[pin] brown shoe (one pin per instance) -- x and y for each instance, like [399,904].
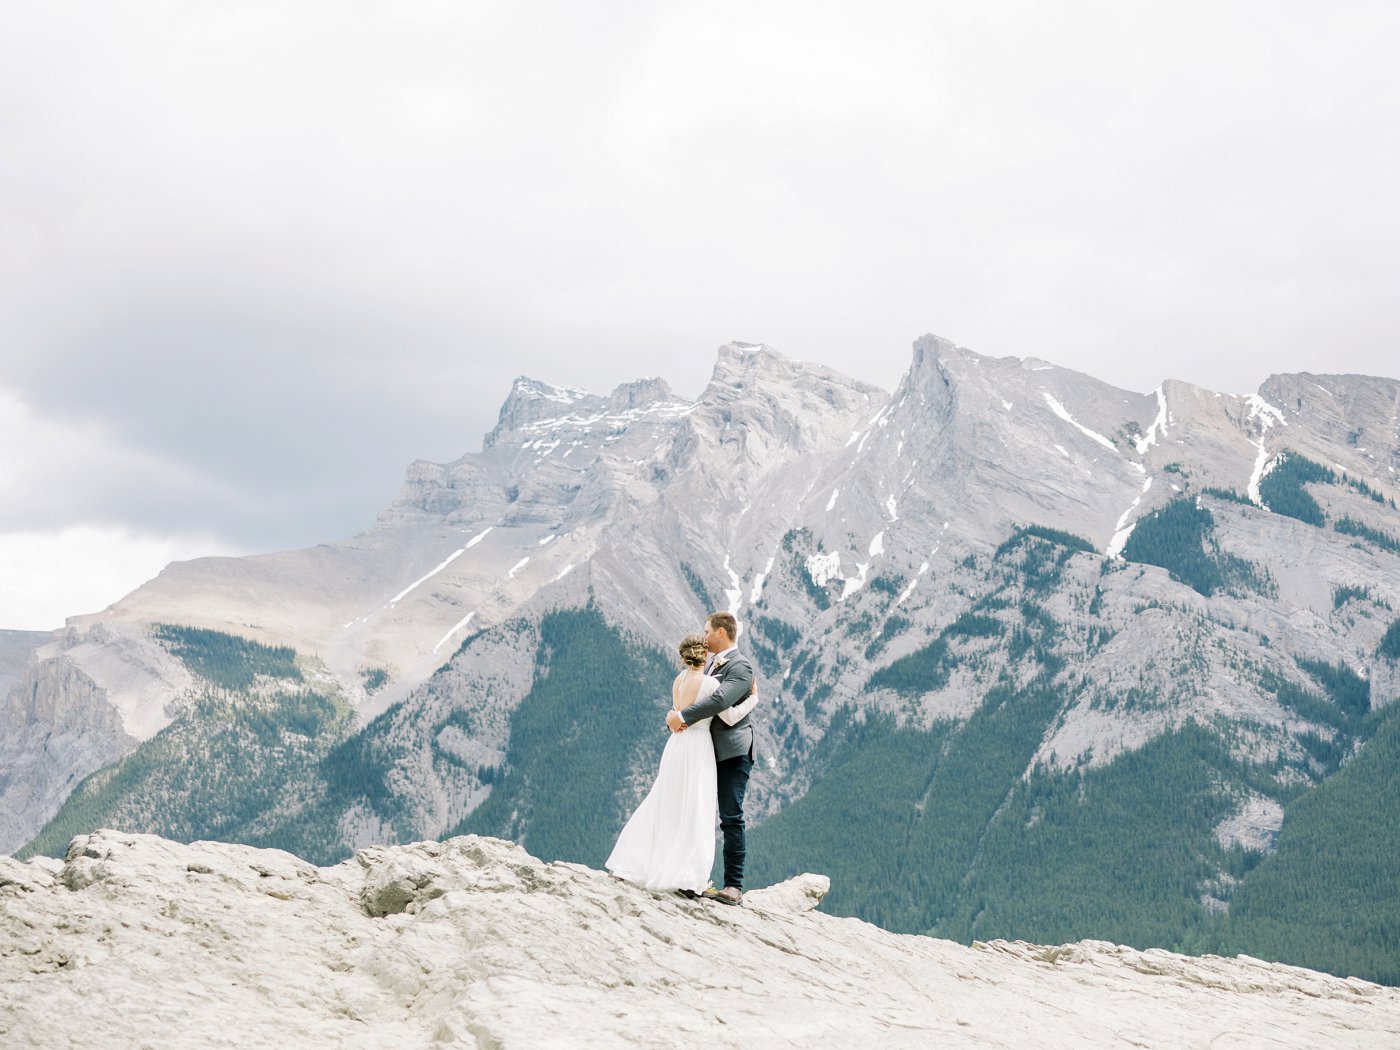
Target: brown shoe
[728,895]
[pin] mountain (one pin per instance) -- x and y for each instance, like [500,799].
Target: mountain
[1041,658]
[137,940]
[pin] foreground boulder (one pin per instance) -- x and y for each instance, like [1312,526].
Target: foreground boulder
[138,941]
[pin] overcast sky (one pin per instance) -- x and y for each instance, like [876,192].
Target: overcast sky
[257,257]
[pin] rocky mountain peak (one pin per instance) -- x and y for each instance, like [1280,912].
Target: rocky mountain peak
[1351,422]
[533,402]
[942,373]
[765,408]
[640,393]
[745,372]
[531,399]
[930,350]
[740,356]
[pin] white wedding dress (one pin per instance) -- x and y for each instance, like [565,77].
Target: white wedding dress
[669,843]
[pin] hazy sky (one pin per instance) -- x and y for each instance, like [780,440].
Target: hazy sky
[257,257]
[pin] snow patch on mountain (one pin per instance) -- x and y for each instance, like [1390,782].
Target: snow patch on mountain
[1266,413]
[856,582]
[823,568]
[1262,466]
[1158,429]
[757,591]
[1123,529]
[1063,413]
[430,574]
[454,629]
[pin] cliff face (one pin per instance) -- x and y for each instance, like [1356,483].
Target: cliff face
[135,940]
[60,726]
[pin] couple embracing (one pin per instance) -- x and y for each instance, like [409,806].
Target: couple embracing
[669,842]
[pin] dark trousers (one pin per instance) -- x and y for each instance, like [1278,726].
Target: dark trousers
[731,781]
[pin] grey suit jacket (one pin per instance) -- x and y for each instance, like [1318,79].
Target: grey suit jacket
[735,685]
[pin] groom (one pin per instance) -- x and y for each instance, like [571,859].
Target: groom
[734,745]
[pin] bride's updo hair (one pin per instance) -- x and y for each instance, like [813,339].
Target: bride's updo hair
[693,650]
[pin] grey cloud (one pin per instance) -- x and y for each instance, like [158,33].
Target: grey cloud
[288,249]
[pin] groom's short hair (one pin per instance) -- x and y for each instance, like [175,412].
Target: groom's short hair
[725,622]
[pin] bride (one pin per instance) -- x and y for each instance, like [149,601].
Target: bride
[669,842]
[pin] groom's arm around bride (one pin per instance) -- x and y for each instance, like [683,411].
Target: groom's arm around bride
[735,685]
[735,676]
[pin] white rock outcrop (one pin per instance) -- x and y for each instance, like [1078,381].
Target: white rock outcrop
[138,941]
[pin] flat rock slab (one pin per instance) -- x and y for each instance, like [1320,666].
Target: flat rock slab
[138,941]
